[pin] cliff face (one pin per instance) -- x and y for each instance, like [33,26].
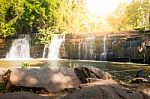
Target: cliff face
[127,46]
[2,48]
[130,46]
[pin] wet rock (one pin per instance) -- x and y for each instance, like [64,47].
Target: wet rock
[22,95]
[104,89]
[53,79]
[86,72]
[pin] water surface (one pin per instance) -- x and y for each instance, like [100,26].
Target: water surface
[119,70]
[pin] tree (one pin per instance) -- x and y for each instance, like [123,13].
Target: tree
[118,19]
[45,17]
[131,16]
[8,17]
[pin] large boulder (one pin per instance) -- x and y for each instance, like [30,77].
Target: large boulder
[86,72]
[104,89]
[53,79]
[21,95]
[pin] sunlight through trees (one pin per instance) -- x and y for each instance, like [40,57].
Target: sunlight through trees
[48,17]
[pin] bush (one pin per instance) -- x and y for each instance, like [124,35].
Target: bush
[24,65]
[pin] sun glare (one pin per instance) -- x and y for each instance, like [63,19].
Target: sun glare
[103,7]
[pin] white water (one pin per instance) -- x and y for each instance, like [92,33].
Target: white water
[86,48]
[51,51]
[19,49]
[104,47]
[103,55]
[79,49]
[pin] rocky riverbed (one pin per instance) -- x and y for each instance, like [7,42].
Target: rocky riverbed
[68,83]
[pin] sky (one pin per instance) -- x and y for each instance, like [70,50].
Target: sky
[103,7]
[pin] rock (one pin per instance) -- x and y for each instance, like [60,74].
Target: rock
[100,82]
[53,79]
[104,89]
[2,73]
[90,72]
[22,95]
[139,80]
[107,76]
[139,73]
[144,88]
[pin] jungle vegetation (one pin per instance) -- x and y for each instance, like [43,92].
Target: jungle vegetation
[47,17]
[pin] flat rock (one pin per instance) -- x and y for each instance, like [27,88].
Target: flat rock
[104,89]
[53,79]
[21,95]
[100,82]
[144,88]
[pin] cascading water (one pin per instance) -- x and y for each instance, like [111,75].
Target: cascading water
[103,55]
[51,51]
[79,49]
[86,48]
[19,49]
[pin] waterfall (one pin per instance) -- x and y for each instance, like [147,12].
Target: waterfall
[86,48]
[51,51]
[79,49]
[19,49]
[103,55]
[104,48]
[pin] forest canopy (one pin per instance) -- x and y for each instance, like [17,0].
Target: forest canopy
[135,15]
[47,17]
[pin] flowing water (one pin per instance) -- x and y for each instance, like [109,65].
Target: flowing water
[103,55]
[51,51]
[19,49]
[86,48]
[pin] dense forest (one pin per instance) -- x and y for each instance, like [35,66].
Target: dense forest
[135,15]
[38,16]
[46,17]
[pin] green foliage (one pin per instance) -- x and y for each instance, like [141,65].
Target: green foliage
[6,24]
[131,16]
[65,17]
[36,15]
[45,35]
[24,65]
[45,17]
[118,15]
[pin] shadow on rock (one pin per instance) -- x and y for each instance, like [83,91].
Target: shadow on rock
[22,95]
[105,89]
